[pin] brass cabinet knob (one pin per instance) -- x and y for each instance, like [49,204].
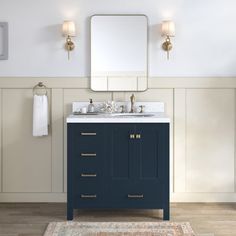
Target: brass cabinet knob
[135,136]
[122,107]
[132,136]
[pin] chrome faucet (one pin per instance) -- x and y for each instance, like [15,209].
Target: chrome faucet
[132,99]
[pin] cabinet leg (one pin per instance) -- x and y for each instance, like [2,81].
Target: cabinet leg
[166,213]
[69,213]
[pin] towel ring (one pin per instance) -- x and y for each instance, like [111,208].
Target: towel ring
[40,86]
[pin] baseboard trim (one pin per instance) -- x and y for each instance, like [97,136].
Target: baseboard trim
[203,197]
[32,197]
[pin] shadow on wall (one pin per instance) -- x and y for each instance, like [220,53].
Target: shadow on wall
[155,34]
[52,36]
[155,39]
[87,45]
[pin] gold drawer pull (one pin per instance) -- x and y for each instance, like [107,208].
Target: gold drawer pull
[135,196]
[88,175]
[88,196]
[132,136]
[88,134]
[88,154]
[138,136]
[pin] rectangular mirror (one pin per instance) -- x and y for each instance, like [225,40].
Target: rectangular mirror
[119,60]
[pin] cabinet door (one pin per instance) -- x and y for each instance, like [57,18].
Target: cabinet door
[120,162]
[152,160]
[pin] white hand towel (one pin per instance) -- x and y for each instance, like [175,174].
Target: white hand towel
[40,115]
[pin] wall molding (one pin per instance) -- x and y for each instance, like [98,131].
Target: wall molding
[192,82]
[153,82]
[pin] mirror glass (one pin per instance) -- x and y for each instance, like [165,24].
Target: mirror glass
[119,52]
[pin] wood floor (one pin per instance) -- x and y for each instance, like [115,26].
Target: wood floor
[32,219]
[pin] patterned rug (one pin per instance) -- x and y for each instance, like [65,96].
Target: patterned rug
[119,229]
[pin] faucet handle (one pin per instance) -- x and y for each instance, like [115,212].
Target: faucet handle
[141,108]
[122,108]
[132,98]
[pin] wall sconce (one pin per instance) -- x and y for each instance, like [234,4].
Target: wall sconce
[168,30]
[68,30]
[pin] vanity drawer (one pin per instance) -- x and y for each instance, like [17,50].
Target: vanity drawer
[89,153]
[135,196]
[88,136]
[88,200]
[88,193]
[88,174]
[90,164]
[89,132]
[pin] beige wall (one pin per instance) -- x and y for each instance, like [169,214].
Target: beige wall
[202,112]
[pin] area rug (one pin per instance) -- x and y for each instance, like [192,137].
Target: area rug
[119,229]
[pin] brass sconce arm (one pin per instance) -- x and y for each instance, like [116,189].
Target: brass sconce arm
[168,30]
[167,46]
[69,45]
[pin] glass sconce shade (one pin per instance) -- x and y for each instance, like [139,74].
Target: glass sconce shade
[68,28]
[168,28]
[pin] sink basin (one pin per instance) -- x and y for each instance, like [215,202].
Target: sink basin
[131,115]
[120,115]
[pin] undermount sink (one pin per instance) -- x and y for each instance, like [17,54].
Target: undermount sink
[118,115]
[131,115]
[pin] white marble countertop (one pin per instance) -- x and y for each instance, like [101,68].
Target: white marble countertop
[119,118]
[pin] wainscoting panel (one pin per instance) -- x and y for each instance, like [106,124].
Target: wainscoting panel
[210,130]
[204,141]
[27,160]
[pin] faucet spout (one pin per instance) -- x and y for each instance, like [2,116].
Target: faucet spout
[132,99]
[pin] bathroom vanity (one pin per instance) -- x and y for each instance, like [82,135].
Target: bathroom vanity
[118,161]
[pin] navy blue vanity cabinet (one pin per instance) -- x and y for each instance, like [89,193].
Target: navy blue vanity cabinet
[125,166]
